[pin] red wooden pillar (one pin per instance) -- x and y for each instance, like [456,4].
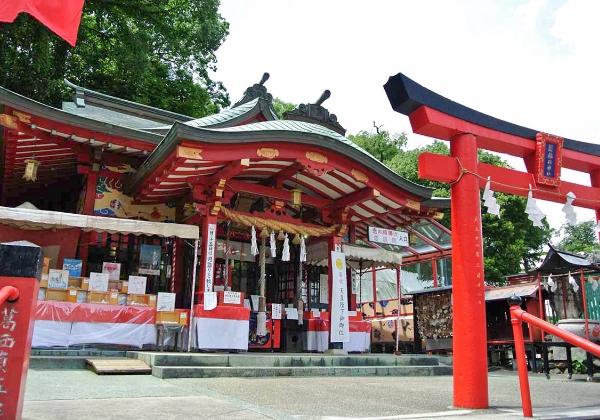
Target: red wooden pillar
[595,180]
[209,245]
[468,307]
[88,209]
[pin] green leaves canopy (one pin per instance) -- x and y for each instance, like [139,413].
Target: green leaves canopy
[580,237]
[511,243]
[156,52]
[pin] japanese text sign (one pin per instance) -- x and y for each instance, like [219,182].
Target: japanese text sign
[340,327]
[548,159]
[388,236]
[210,243]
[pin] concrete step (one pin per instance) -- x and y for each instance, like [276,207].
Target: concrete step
[281,360]
[171,372]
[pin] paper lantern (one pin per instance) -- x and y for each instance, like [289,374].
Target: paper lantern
[31,167]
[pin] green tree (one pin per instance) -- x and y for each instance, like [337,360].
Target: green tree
[280,107]
[157,53]
[511,243]
[580,237]
[381,144]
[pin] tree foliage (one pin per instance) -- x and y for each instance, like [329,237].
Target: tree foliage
[155,52]
[280,107]
[578,238]
[511,243]
[381,145]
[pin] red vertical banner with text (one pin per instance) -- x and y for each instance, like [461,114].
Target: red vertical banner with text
[20,267]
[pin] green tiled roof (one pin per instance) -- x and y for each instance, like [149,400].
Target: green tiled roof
[224,116]
[293,126]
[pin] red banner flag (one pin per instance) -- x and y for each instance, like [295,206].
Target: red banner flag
[61,16]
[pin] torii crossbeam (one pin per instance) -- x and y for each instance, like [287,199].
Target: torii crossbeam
[468,130]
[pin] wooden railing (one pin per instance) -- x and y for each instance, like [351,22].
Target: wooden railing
[517,317]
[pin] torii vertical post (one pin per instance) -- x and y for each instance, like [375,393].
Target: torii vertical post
[468,301]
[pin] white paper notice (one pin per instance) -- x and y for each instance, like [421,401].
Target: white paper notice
[254,302]
[291,313]
[59,279]
[247,304]
[98,282]
[340,328]
[165,302]
[316,313]
[137,285]
[323,288]
[112,269]
[232,297]
[276,310]
[210,301]
[210,257]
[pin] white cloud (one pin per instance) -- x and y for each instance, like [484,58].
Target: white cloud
[529,13]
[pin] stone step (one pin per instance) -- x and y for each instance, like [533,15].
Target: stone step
[57,362]
[67,359]
[281,360]
[171,372]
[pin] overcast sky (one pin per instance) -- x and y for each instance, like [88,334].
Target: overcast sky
[534,63]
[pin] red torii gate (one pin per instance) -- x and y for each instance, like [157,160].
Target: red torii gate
[468,130]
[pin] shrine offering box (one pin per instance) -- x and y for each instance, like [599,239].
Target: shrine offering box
[110,297]
[141,300]
[172,317]
[81,283]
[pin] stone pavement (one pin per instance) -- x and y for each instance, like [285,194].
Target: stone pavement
[81,394]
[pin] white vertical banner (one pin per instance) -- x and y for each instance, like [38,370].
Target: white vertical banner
[211,244]
[340,327]
[323,288]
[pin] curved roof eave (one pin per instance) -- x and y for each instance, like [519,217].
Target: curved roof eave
[21,103]
[235,115]
[273,131]
[124,103]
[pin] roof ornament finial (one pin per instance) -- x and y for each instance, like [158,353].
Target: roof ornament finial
[316,114]
[324,96]
[258,90]
[264,78]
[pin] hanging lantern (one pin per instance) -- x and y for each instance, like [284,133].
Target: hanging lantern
[31,169]
[296,197]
